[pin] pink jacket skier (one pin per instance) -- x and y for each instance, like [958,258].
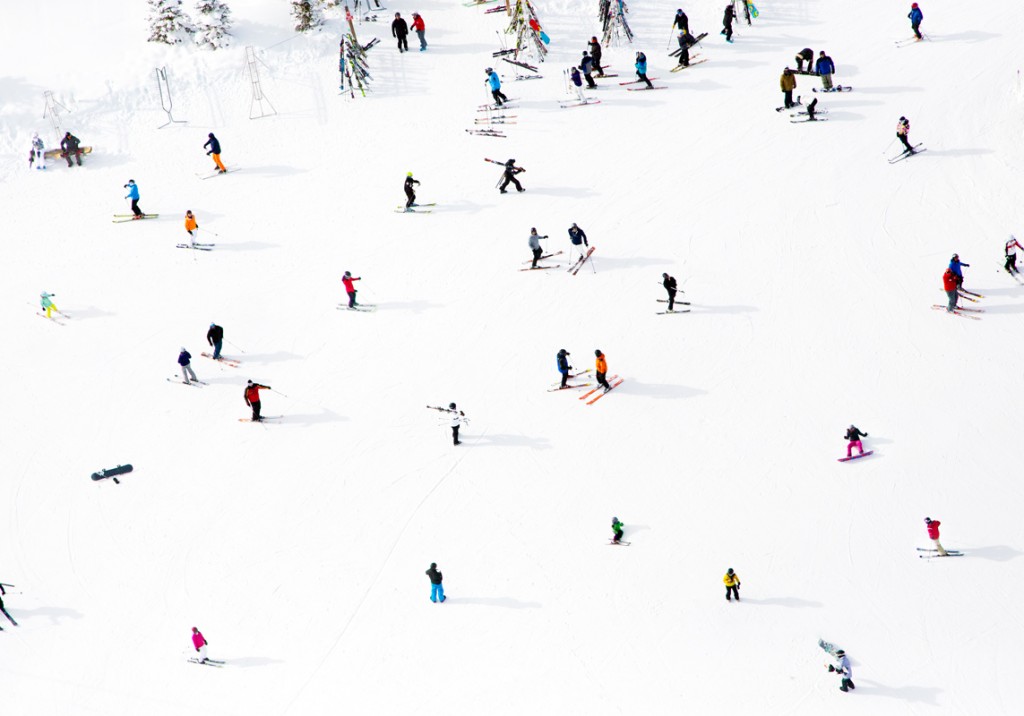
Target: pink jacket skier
[199,642]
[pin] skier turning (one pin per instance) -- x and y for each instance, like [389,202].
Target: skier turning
[436,588]
[214,144]
[670,285]
[903,132]
[916,16]
[601,368]
[133,194]
[641,69]
[494,82]
[510,176]
[933,535]
[617,530]
[1011,255]
[732,585]
[853,436]
[562,359]
[578,240]
[252,398]
[350,289]
[844,670]
[199,644]
[47,305]
[410,193]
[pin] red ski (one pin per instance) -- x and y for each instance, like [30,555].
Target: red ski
[597,397]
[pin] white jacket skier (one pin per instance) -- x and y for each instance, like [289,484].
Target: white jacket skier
[36,156]
[458,417]
[844,669]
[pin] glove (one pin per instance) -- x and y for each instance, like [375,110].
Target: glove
[209,152]
[831,668]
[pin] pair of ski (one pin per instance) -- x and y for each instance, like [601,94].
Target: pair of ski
[364,307]
[612,386]
[906,153]
[555,387]
[53,319]
[584,103]
[207,662]
[197,247]
[949,553]
[217,173]
[909,41]
[507,104]
[541,268]
[122,218]
[621,543]
[696,40]
[263,419]
[226,361]
[413,210]
[675,303]
[575,268]
[964,293]
[487,133]
[960,311]
[193,383]
[680,68]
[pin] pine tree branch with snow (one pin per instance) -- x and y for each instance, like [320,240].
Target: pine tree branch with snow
[213,26]
[308,14]
[168,23]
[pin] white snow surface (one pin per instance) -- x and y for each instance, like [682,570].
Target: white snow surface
[299,547]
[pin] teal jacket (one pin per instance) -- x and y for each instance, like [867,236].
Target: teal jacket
[44,299]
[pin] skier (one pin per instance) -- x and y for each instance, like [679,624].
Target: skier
[933,534]
[825,69]
[732,585]
[669,283]
[805,55]
[788,83]
[915,20]
[730,15]
[436,589]
[214,144]
[684,48]
[400,30]
[215,337]
[903,132]
[681,21]
[37,154]
[494,82]
[3,608]
[47,305]
[185,361]
[601,368]
[1011,255]
[191,226]
[199,643]
[595,55]
[347,280]
[252,398]
[577,83]
[844,670]
[133,194]
[535,246]
[949,286]
[421,29]
[458,417]
[586,67]
[562,359]
[853,436]
[410,194]
[69,147]
[641,69]
[510,175]
[955,266]
[578,240]
[617,530]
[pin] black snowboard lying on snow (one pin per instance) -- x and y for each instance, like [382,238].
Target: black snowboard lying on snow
[110,472]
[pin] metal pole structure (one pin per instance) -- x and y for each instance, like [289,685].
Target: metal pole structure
[166,103]
[258,98]
[52,112]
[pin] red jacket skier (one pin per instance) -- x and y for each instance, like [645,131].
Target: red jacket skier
[949,286]
[199,642]
[933,534]
[350,289]
[252,399]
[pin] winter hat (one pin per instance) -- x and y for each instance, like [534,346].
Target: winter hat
[597,352]
[489,70]
[183,349]
[433,565]
[195,629]
[348,273]
[451,405]
[840,652]
[927,520]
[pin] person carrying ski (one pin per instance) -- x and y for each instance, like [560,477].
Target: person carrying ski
[214,144]
[69,147]
[577,83]
[853,436]
[825,69]
[933,534]
[949,286]
[805,55]
[400,30]
[916,16]
[3,609]
[458,417]
[252,398]
[747,9]
[601,368]
[37,155]
[436,589]
[684,48]
[199,644]
[595,55]
[617,530]
[215,337]
[670,285]
[410,194]
[534,243]
[185,361]
[730,15]
[47,305]
[562,359]
[578,239]
[510,175]
[133,194]
[681,21]
[350,289]
[903,133]
[732,585]
[788,83]
[955,265]
[586,67]
[191,226]
[844,670]
[641,69]
[1011,255]
[421,30]
[494,82]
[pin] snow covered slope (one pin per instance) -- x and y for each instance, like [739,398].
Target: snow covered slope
[299,547]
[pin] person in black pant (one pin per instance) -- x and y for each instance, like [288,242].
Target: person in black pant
[215,337]
[586,67]
[457,419]
[669,283]
[684,48]
[3,609]
[410,195]
[903,132]
[805,55]
[730,15]
[681,21]
[535,246]
[563,366]
[252,398]
[69,146]
[595,55]
[510,176]
[400,29]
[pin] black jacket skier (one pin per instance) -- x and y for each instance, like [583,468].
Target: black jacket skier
[681,21]
[400,30]
[215,335]
[562,360]
[577,236]
[510,176]
[213,143]
[595,55]
[69,146]
[410,195]
[730,15]
[669,282]
[435,576]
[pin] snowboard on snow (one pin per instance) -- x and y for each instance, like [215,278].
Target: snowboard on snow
[112,472]
[855,457]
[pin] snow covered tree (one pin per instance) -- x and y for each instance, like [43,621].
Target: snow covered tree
[213,28]
[308,14]
[167,22]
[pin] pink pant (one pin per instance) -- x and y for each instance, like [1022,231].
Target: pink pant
[854,444]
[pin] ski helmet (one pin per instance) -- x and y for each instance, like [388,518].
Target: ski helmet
[183,349]
[597,352]
[903,119]
[956,257]
[615,519]
[664,275]
[840,652]
[348,273]
[927,520]
[679,10]
[730,572]
[451,405]
[489,70]
[212,325]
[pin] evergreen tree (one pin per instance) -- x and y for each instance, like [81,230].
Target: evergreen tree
[168,23]
[308,14]
[213,28]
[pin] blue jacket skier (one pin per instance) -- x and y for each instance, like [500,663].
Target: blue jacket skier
[641,69]
[563,365]
[916,16]
[954,265]
[185,361]
[133,194]
[494,82]
[587,67]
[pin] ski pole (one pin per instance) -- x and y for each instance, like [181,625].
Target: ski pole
[279,393]
[663,286]
[889,145]
[234,346]
[672,34]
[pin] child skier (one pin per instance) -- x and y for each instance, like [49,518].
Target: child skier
[185,361]
[949,286]
[577,83]
[933,534]
[133,194]
[350,289]
[853,436]
[617,529]
[494,82]
[641,69]
[47,305]
[436,588]
[410,194]
[601,368]
[191,226]
[214,144]
[252,398]
[916,16]
[1011,255]
[732,585]
[562,359]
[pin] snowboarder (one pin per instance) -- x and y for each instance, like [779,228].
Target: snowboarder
[47,305]
[641,69]
[915,20]
[933,534]
[748,9]
[3,608]
[903,132]
[805,55]
[510,175]
[732,585]
[350,289]
[1011,255]
[788,83]
[410,194]
[191,226]
[458,417]
[494,82]
[853,436]
[730,15]
[577,83]
[252,398]
[185,361]
[215,337]
[400,30]
[681,21]
[214,144]
[844,670]
[133,194]
[825,69]
[37,154]
[69,147]
[421,29]
[684,48]
[617,530]
[586,67]
[578,239]
[949,286]
[562,359]
[595,55]
[812,108]
[436,589]
[955,265]
[535,246]
[199,643]
[601,368]
[669,283]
